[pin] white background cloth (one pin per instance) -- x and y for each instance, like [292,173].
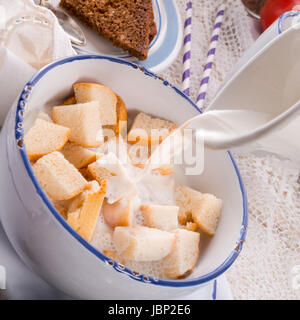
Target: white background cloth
[267,265]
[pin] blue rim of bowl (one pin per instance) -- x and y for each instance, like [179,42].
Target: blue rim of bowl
[19,135]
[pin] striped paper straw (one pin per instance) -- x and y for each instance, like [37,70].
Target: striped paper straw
[210,57]
[187,49]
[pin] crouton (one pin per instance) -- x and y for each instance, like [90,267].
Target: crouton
[58,177]
[160,217]
[183,258]
[83,121]
[80,157]
[87,92]
[142,244]
[207,213]
[84,220]
[77,202]
[69,101]
[45,137]
[118,213]
[203,209]
[121,125]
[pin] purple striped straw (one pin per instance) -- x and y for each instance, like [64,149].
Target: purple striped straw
[187,49]
[210,57]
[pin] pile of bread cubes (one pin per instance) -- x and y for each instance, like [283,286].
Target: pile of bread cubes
[84,184]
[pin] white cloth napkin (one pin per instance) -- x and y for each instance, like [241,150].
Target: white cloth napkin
[30,37]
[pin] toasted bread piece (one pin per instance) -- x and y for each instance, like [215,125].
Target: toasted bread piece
[148,130]
[121,117]
[86,174]
[160,217]
[77,202]
[80,157]
[119,185]
[207,213]
[121,126]
[69,101]
[118,213]
[73,219]
[183,258]
[203,209]
[142,244]
[45,137]
[87,92]
[84,220]
[185,198]
[58,177]
[83,121]
[44,116]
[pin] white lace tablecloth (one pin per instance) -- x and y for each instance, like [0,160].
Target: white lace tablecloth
[269,264]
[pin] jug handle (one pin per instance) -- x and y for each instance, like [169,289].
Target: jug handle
[284,17]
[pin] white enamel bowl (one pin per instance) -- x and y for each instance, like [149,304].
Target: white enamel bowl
[46,242]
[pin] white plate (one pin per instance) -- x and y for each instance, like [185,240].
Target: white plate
[163,49]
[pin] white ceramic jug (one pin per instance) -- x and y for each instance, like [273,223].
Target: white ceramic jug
[267,79]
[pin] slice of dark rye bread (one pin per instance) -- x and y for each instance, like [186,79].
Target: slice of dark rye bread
[128,24]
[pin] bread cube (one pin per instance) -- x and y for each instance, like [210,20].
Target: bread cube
[203,209]
[119,185]
[121,126]
[161,217]
[148,130]
[70,100]
[45,137]
[142,244]
[58,177]
[84,122]
[87,92]
[118,213]
[184,255]
[84,220]
[207,213]
[77,202]
[80,157]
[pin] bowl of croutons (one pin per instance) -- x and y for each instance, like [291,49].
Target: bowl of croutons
[82,206]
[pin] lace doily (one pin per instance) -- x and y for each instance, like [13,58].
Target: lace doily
[269,264]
